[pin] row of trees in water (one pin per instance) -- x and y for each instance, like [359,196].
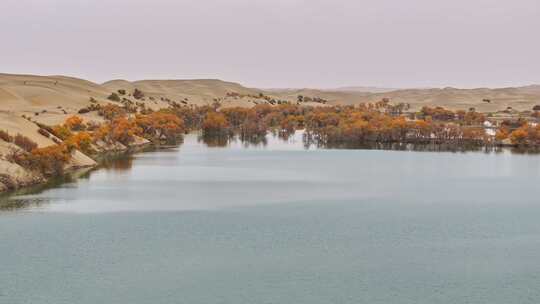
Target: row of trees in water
[323,125]
[357,125]
[377,123]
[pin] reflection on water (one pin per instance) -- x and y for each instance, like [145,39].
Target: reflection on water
[224,141]
[215,141]
[417,147]
[17,203]
[119,163]
[24,198]
[256,141]
[429,147]
[121,175]
[284,135]
[19,199]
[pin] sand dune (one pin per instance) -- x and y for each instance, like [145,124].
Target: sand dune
[28,94]
[519,98]
[201,91]
[364,89]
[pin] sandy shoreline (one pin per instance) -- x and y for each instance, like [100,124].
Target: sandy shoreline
[31,180]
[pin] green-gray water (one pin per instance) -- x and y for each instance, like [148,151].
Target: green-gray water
[281,224]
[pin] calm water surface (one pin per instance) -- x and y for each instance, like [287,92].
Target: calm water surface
[280,224]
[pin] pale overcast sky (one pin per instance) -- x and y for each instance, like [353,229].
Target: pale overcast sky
[277,43]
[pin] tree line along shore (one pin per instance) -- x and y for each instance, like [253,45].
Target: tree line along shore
[127,125]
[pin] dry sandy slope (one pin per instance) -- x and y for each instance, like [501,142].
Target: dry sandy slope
[12,174]
[51,99]
[30,94]
[199,92]
[17,125]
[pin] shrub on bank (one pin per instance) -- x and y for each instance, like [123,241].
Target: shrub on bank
[24,143]
[103,133]
[5,136]
[81,141]
[215,124]
[49,161]
[111,111]
[113,97]
[124,130]
[138,94]
[526,135]
[62,132]
[74,123]
[160,126]
[44,132]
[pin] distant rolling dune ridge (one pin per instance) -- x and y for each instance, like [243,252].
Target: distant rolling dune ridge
[30,93]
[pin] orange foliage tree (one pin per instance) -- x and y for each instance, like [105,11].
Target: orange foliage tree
[519,136]
[74,123]
[24,142]
[124,130]
[49,161]
[80,141]
[111,111]
[215,124]
[160,126]
[62,132]
[526,135]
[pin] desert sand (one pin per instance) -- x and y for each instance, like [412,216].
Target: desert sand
[52,96]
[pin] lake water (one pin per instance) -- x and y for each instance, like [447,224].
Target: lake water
[280,224]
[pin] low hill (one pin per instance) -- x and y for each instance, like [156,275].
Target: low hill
[364,89]
[483,99]
[49,99]
[200,91]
